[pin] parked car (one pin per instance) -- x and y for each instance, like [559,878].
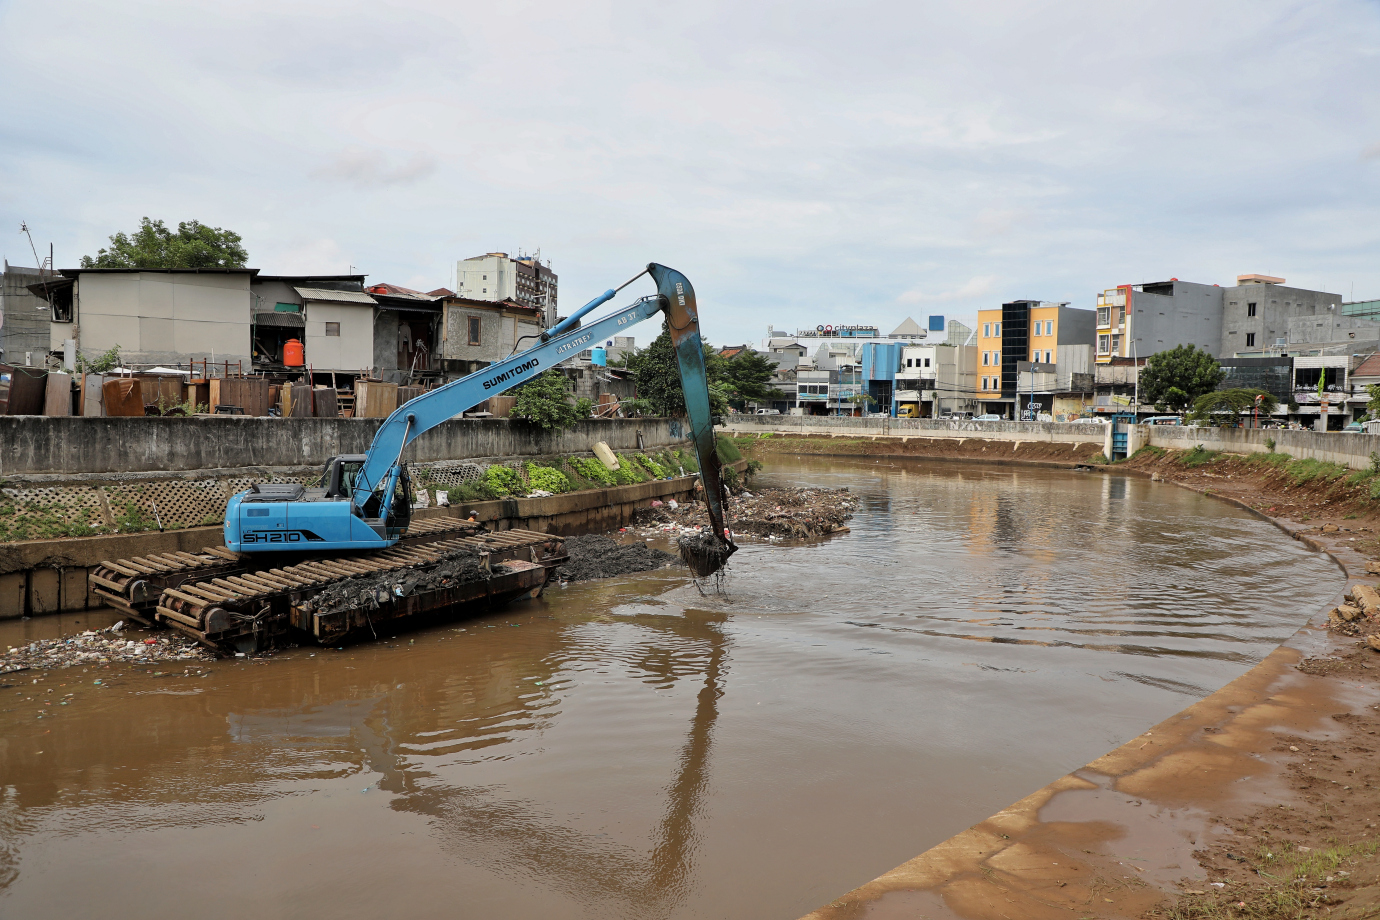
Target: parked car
[1162,420]
[1354,426]
[989,417]
[768,411]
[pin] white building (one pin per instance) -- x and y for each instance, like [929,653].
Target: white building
[940,379]
[520,279]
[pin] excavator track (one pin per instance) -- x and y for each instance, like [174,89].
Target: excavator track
[244,602]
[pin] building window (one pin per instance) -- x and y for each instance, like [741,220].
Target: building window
[1049,356]
[1250,339]
[996,329]
[1104,316]
[996,357]
[1049,327]
[927,362]
[986,330]
[984,383]
[986,358]
[332,329]
[910,362]
[1104,344]
[1250,309]
[474,330]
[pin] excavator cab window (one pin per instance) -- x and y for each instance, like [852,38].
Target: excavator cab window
[400,511]
[338,479]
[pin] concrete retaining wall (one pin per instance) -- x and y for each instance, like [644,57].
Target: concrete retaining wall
[35,445]
[1064,432]
[1347,448]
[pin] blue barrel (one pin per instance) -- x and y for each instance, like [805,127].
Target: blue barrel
[599,356]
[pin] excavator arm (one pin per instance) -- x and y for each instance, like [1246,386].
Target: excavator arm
[375,485]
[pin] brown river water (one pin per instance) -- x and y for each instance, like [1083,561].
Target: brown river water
[631,748]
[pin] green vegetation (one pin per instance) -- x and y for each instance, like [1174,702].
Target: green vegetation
[1099,458]
[656,469]
[743,378]
[1175,378]
[107,361]
[1289,887]
[547,479]
[1148,452]
[1223,408]
[153,245]
[728,451]
[1199,456]
[1301,471]
[545,401]
[31,521]
[504,481]
[471,492]
[591,470]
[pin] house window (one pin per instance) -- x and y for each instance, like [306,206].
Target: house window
[1104,344]
[984,383]
[986,358]
[1049,356]
[910,362]
[996,329]
[474,330]
[986,330]
[927,362]
[1250,309]
[1104,316]
[332,329]
[1049,327]
[1250,339]
[996,357]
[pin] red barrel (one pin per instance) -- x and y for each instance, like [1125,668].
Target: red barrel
[292,353]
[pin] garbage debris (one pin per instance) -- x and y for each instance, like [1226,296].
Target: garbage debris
[598,556]
[369,591]
[95,647]
[776,514]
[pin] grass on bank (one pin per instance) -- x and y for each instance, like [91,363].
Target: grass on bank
[1292,885]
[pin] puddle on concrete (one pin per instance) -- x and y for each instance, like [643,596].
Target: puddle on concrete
[630,748]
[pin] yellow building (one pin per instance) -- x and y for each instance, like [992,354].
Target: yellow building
[1113,323]
[1055,338]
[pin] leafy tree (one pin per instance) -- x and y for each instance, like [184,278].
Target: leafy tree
[153,245]
[545,402]
[1185,368]
[750,374]
[107,361]
[1373,407]
[1224,407]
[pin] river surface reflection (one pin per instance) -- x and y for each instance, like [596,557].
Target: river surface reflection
[632,748]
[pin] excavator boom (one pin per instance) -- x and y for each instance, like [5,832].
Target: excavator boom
[367,506]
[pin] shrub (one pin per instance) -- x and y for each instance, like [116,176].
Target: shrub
[651,466]
[728,451]
[590,469]
[629,472]
[547,479]
[1199,456]
[472,492]
[1270,445]
[503,480]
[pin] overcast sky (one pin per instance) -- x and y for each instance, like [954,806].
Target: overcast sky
[802,163]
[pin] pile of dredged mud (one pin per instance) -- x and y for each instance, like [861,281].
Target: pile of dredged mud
[371,591]
[597,556]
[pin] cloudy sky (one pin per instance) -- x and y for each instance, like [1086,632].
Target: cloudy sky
[801,162]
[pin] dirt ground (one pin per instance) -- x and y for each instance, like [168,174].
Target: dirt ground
[1300,840]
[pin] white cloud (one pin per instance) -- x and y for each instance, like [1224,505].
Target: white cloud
[973,289]
[800,168]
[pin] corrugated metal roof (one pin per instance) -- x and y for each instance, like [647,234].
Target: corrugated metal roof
[307,293]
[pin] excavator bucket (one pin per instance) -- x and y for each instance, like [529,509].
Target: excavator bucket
[705,554]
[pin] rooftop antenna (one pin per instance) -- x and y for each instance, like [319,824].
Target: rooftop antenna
[42,277]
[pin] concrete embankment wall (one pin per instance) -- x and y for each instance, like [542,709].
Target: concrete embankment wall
[1053,432]
[36,445]
[50,576]
[1350,449]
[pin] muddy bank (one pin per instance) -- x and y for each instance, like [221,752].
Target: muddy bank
[1260,801]
[774,513]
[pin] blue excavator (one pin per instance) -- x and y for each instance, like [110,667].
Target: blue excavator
[363,501]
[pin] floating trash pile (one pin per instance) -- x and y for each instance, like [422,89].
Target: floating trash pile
[105,646]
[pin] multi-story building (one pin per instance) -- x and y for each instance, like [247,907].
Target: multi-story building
[23,316]
[476,333]
[524,280]
[1023,332]
[1256,316]
[937,379]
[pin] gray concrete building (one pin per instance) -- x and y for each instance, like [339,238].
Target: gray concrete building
[476,333]
[1256,313]
[24,317]
[1137,320]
